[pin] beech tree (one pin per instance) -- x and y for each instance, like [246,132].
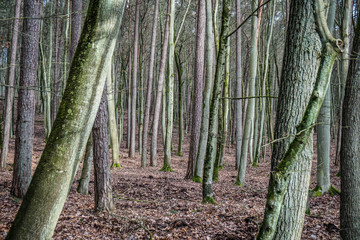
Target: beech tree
[44,200]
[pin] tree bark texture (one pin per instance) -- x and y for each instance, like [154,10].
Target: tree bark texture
[26,101]
[198,88]
[76,16]
[83,187]
[103,192]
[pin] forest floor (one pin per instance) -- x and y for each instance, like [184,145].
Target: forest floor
[166,206]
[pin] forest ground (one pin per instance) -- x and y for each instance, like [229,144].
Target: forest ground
[168,206]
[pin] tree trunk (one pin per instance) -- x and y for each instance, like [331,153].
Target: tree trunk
[250,110]
[180,104]
[159,94]
[45,198]
[134,82]
[76,9]
[170,90]
[10,90]
[198,88]
[83,187]
[239,73]
[207,192]
[103,192]
[350,150]
[149,87]
[26,101]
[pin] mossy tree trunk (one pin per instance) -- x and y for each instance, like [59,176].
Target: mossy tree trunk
[50,185]
[210,156]
[26,101]
[198,89]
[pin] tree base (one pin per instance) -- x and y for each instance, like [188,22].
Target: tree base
[166,168]
[197,179]
[116,165]
[239,183]
[210,200]
[179,154]
[334,191]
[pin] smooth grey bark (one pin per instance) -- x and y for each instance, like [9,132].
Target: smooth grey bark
[324,127]
[250,110]
[209,78]
[134,82]
[149,86]
[26,101]
[9,94]
[238,91]
[198,88]
[50,185]
[162,69]
[102,178]
[83,187]
[170,90]
[350,150]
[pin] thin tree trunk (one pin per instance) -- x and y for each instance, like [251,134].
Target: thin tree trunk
[154,137]
[207,192]
[44,200]
[239,73]
[180,104]
[10,90]
[198,89]
[83,187]
[149,87]
[250,110]
[76,15]
[134,82]
[170,90]
[26,101]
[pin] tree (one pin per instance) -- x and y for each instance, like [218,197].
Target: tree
[149,87]
[292,156]
[10,90]
[350,149]
[214,107]
[76,8]
[50,185]
[159,93]
[198,88]
[103,192]
[26,102]
[134,81]
[83,187]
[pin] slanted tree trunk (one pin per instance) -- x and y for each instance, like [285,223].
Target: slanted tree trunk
[134,82]
[44,200]
[207,192]
[9,96]
[103,192]
[250,110]
[198,88]
[83,187]
[239,73]
[149,87]
[350,149]
[170,90]
[154,137]
[26,102]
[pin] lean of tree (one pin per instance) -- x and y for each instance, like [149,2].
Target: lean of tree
[47,193]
